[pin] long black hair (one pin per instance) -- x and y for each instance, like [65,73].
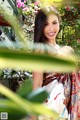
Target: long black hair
[40,20]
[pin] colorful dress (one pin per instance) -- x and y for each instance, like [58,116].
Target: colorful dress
[71,83]
[74,108]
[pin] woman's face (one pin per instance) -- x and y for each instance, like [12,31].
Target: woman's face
[51,27]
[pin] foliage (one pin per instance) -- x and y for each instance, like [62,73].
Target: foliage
[70,26]
[69,13]
[14,78]
[27,11]
[23,107]
[28,8]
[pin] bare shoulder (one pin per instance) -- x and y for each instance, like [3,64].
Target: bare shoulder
[67,52]
[67,49]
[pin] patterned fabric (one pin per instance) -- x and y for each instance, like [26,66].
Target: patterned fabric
[75,97]
[71,84]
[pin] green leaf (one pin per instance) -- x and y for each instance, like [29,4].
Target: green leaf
[50,2]
[38,95]
[13,111]
[35,61]
[15,24]
[25,89]
[13,6]
[25,105]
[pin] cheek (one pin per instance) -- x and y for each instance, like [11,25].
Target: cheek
[58,27]
[45,30]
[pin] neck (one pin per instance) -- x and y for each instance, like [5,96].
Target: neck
[51,42]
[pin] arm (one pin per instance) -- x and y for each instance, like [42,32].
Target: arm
[37,79]
[37,82]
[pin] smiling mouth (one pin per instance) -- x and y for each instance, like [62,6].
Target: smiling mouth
[51,34]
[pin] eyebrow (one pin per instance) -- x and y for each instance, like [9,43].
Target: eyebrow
[52,21]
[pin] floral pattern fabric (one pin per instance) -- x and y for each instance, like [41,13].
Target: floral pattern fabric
[71,84]
[75,97]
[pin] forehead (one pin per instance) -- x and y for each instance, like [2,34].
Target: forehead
[52,17]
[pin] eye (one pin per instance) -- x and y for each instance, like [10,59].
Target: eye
[54,22]
[46,23]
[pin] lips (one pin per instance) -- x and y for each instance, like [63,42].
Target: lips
[51,34]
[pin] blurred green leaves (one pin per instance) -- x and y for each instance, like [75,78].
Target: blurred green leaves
[19,107]
[34,61]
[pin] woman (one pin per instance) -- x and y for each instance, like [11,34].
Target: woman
[47,26]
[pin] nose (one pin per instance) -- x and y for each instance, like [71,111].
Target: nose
[51,28]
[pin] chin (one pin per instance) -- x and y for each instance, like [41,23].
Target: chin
[51,38]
